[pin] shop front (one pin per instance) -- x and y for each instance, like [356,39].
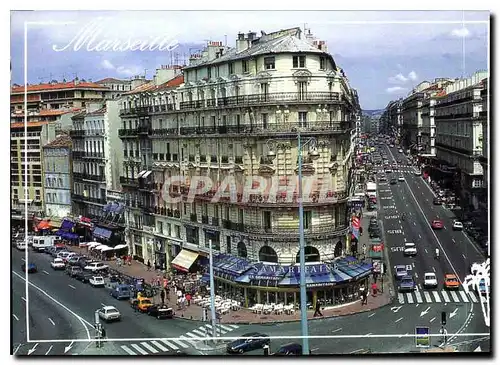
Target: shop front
[160,254]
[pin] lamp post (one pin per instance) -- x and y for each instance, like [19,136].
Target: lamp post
[303,292]
[212,291]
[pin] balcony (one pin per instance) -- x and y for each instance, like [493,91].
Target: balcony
[128,181]
[454,116]
[177,213]
[322,230]
[215,221]
[128,132]
[164,132]
[85,176]
[89,199]
[86,155]
[94,132]
[262,99]
[77,133]
[193,217]
[144,130]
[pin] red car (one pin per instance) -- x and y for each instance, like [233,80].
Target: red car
[437,224]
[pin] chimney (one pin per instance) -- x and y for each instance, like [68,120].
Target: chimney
[213,50]
[136,82]
[243,43]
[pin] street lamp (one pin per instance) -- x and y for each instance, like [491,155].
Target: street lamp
[303,293]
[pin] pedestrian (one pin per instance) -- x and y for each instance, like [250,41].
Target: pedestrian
[365,298]
[103,333]
[188,299]
[374,289]
[317,312]
[162,297]
[179,293]
[149,265]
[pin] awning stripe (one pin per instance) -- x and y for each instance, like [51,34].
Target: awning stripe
[184,260]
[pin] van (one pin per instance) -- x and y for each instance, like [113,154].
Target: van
[41,243]
[121,292]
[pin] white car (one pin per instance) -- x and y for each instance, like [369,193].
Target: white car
[58,264]
[96,281]
[71,254]
[410,249]
[401,178]
[458,226]
[95,266]
[418,173]
[400,150]
[63,254]
[388,171]
[430,280]
[109,313]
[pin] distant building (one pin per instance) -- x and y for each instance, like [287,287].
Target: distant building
[116,87]
[57,177]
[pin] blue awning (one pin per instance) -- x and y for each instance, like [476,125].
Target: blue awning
[267,271]
[67,225]
[102,233]
[243,279]
[316,275]
[356,270]
[205,278]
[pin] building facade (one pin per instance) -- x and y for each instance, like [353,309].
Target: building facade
[116,87]
[57,177]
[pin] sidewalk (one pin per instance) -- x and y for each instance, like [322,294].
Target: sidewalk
[243,316]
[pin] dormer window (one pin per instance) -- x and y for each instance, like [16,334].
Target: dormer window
[299,61]
[322,63]
[231,68]
[269,63]
[245,66]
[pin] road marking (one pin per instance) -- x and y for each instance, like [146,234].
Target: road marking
[234,326]
[188,339]
[338,329]
[17,349]
[23,298]
[209,326]
[436,297]
[419,297]
[419,236]
[127,350]
[13,315]
[180,343]
[71,286]
[432,319]
[225,328]
[444,227]
[50,348]
[45,272]
[409,297]
[30,351]
[455,297]
[24,260]
[171,345]
[414,223]
[368,334]
[434,269]
[473,297]
[397,320]
[464,296]
[149,347]
[191,335]
[425,250]
[445,296]
[203,334]
[453,240]
[465,258]
[371,315]
[51,321]
[138,348]
[427,297]
[401,298]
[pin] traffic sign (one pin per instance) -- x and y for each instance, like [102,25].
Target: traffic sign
[422,338]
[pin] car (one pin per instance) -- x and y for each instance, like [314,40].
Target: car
[382,178]
[58,248]
[406,283]
[30,268]
[392,146]
[482,289]
[70,256]
[121,291]
[437,201]
[401,178]
[457,226]
[95,267]
[83,276]
[430,280]
[109,313]
[290,349]
[437,224]
[394,181]
[373,224]
[410,249]
[417,173]
[96,281]
[58,264]
[372,206]
[72,271]
[400,271]
[248,342]
[160,311]
[373,219]
[63,254]
[388,171]
[374,233]
[400,150]
[73,261]
[141,304]
[451,281]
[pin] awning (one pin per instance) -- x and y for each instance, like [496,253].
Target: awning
[22,201]
[93,244]
[67,225]
[146,174]
[43,225]
[104,249]
[141,173]
[205,278]
[184,260]
[356,270]
[119,247]
[267,271]
[316,275]
[102,233]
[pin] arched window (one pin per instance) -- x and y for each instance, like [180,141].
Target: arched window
[311,254]
[268,254]
[338,249]
[242,249]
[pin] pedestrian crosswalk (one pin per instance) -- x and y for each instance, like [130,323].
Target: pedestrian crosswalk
[187,340]
[437,296]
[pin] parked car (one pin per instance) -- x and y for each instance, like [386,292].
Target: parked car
[457,226]
[382,178]
[290,349]
[109,313]
[141,304]
[430,280]
[121,291]
[95,267]
[72,271]
[410,249]
[62,254]
[451,281]
[394,181]
[248,342]
[406,283]
[400,271]
[58,264]
[437,224]
[160,311]
[96,281]
[73,261]
[374,233]
[437,201]
[401,178]
[30,268]
[83,276]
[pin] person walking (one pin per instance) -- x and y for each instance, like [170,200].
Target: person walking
[374,289]
[317,312]
[162,297]
[188,299]
[149,265]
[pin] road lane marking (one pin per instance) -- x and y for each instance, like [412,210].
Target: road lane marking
[171,345]
[224,327]
[233,326]
[434,269]
[397,320]
[465,258]
[203,334]
[425,250]
[45,272]
[445,296]
[50,348]
[138,348]
[368,334]
[71,286]
[473,297]
[127,350]
[455,297]
[419,297]
[453,240]
[13,315]
[444,227]
[432,319]
[414,223]
[401,298]
[23,298]
[51,321]
[180,343]
[419,236]
[436,297]
[409,297]
[464,296]
[371,315]
[338,329]
[17,349]
[188,339]
[191,335]
[427,297]
[149,347]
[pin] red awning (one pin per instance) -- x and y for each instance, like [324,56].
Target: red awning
[43,225]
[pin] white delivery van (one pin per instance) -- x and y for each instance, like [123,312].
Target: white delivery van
[41,243]
[371,189]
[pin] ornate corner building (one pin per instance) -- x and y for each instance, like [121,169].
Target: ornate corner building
[236,113]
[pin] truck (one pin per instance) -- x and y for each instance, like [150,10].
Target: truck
[41,243]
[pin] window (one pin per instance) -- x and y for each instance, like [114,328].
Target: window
[303,119]
[178,231]
[299,61]
[264,119]
[245,66]
[240,216]
[269,63]
[322,63]
[160,227]
[266,217]
[228,244]
[209,70]
[185,208]
[231,68]
[307,219]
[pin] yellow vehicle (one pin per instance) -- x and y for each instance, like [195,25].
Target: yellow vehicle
[141,303]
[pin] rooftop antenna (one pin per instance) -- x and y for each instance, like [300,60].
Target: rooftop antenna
[225,40]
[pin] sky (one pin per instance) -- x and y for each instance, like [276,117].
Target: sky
[383,53]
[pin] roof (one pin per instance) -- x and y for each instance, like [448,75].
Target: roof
[29,124]
[48,112]
[151,87]
[284,44]
[61,141]
[101,111]
[111,80]
[57,86]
